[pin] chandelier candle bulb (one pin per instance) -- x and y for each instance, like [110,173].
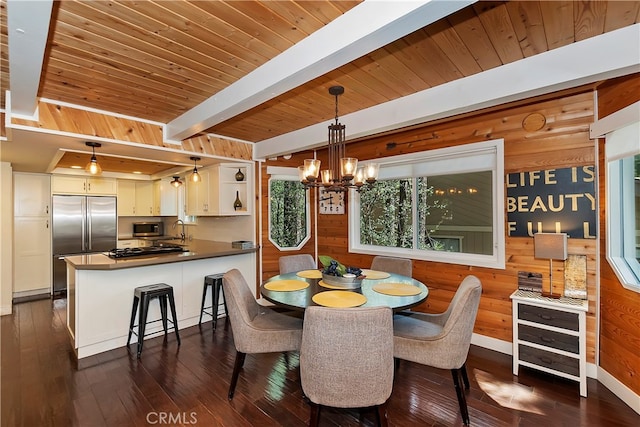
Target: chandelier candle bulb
[302,175]
[371,170]
[359,178]
[326,177]
[311,167]
[348,167]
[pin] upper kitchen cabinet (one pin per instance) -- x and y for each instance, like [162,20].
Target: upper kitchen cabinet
[199,195]
[65,184]
[135,198]
[225,190]
[165,201]
[32,194]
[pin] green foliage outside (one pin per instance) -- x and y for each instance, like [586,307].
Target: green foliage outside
[386,214]
[288,213]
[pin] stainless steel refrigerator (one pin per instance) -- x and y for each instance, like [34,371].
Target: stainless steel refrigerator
[81,224]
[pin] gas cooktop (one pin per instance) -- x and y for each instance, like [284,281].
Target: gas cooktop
[146,250]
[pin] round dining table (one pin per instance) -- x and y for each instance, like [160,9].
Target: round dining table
[303,298]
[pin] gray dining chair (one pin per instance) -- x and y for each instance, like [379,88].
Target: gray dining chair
[442,340]
[346,359]
[403,266]
[256,329]
[291,263]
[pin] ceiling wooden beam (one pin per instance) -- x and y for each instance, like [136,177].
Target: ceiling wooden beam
[610,55]
[28,28]
[366,27]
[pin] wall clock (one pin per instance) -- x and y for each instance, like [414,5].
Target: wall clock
[330,202]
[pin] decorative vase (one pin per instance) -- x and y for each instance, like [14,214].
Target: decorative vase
[239,175]
[237,204]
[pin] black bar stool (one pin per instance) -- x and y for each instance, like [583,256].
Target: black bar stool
[215,281]
[144,295]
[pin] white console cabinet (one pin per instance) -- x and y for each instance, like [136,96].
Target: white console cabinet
[550,335]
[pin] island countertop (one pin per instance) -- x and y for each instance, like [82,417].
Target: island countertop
[197,249]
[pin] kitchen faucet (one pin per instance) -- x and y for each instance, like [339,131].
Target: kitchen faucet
[182,235]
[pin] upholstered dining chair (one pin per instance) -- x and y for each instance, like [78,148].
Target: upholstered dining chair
[395,265]
[346,359]
[442,340]
[291,263]
[256,329]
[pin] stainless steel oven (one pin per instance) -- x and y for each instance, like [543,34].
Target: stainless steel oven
[147,229]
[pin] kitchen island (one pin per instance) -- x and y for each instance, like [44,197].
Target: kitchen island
[100,289]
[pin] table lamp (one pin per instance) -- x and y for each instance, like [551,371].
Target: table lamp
[550,246]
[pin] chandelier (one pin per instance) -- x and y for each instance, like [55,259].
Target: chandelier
[343,172]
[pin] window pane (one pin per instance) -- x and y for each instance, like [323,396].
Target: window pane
[386,214]
[443,205]
[455,213]
[287,213]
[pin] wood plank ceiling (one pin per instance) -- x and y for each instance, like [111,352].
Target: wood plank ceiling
[158,59]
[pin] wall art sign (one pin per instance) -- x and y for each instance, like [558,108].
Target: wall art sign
[552,201]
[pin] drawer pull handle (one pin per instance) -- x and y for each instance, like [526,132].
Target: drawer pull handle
[545,317]
[545,339]
[546,360]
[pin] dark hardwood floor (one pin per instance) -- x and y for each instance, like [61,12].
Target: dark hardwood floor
[188,385]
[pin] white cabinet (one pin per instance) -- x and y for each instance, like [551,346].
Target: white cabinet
[165,198]
[135,198]
[32,259]
[65,184]
[219,189]
[198,194]
[32,194]
[126,198]
[144,198]
[550,335]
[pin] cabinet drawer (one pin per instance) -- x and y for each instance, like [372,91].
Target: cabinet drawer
[551,339]
[547,316]
[549,360]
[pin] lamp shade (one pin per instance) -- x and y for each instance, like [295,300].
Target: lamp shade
[550,245]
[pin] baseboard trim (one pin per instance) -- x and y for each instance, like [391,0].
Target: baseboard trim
[33,295]
[623,392]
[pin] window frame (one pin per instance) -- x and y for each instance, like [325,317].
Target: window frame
[622,144]
[443,161]
[287,174]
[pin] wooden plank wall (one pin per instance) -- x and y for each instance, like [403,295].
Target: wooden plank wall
[619,307]
[562,142]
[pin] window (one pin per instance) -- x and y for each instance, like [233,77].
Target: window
[443,205]
[622,151]
[289,221]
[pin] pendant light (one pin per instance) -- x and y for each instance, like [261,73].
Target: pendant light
[195,176]
[93,167]
[176,181]
[343,172]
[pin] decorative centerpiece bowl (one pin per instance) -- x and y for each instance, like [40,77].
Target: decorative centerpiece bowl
[336,274]
[349,281]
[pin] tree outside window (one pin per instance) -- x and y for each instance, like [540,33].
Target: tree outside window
[288,214]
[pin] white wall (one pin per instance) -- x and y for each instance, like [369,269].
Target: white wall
[223,229]
[6,241]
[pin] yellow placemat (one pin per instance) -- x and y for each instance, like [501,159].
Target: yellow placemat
[326,285]
[375,274]
[397,289]
[339,299]
[286,285]
[310,274]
